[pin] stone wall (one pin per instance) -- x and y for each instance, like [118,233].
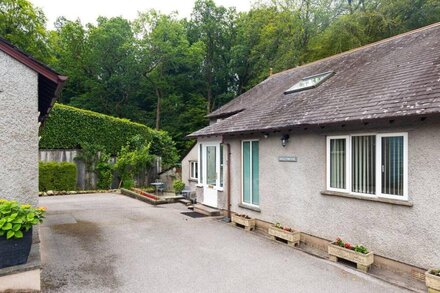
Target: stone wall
[18,131]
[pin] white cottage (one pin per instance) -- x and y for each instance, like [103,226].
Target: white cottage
[347,146]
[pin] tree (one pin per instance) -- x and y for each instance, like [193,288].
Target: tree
[214,26]
[23,25]
[167,54]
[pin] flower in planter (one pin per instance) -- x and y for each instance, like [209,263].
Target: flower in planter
[347,245]
[16,219]
[358,248]
[243,216]
[339,242]
[435,272]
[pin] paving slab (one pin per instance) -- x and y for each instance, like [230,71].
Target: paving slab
[113,243]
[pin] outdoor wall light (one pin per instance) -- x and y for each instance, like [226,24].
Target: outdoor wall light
[284,140]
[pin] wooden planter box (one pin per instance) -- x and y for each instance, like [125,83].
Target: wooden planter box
[432,282]
[248,224]
[292,238]
[363,261]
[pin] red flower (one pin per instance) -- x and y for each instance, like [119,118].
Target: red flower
[347,245]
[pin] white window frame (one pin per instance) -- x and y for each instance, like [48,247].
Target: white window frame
[378,172]
[379,165]
[242,177]
[203,168]
[347,163]
[192,169]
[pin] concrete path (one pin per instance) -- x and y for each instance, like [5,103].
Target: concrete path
[112,243]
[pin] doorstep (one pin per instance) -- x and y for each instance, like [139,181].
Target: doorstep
[25,277]
[202,209]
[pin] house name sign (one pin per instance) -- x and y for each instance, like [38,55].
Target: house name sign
[288,159]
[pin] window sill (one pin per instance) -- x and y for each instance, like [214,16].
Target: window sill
[249,207]
[407,203]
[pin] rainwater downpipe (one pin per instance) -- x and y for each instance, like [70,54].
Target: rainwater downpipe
[228,178]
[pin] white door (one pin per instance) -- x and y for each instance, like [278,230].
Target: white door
[211,158]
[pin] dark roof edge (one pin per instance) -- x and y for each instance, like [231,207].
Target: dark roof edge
[57,94]
[30,62]
[290,127]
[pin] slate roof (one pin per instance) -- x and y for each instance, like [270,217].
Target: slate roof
[396,77]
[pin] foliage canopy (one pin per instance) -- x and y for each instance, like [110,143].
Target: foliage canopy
[168,72]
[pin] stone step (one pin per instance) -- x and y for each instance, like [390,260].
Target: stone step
[202,209]
[186,202]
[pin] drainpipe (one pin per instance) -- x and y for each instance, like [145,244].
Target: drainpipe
[229,182]
[228,176]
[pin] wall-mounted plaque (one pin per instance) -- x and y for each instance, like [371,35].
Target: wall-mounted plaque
[288,159]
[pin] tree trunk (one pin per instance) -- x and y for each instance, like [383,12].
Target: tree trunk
[350,6]
[158,109]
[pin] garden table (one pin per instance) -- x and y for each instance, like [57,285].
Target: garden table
[158,185]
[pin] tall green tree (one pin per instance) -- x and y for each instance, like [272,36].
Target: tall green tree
[23,24]
[171,67]
[215,27]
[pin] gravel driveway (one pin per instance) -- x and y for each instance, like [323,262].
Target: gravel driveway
[112,243]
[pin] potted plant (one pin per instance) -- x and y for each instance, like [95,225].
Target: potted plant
[358,254]
[432,278]
[16,223]
[243,221]
[286,233]
[178,186]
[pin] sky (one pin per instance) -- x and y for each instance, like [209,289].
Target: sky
[89,10]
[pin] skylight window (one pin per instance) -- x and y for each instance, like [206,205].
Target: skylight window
[309,82]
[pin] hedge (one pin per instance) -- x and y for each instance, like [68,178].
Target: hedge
[57,176]
[68,127]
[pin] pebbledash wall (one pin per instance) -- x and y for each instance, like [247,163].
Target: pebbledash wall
[290,193]
[19,131]
[191,156]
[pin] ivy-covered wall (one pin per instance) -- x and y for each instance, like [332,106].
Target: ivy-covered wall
[69,127]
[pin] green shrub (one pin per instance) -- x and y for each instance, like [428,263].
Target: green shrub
[57,176]
[178,186]
[69,127]
[104,171]
[17,218]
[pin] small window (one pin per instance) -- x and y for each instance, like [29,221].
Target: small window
[309,82]
[338,162]
[193,170]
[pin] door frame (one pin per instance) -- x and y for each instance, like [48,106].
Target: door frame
[209,190]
